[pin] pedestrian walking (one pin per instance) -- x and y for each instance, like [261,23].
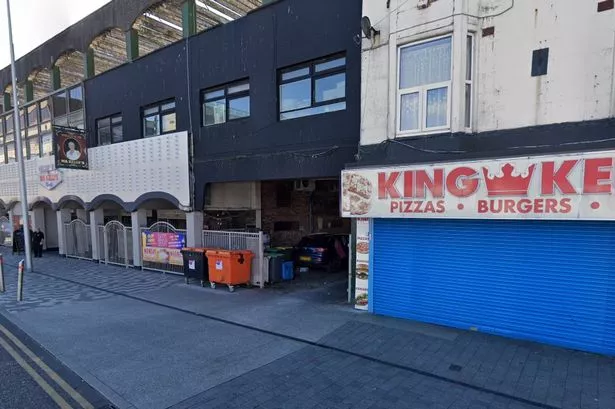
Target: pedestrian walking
[38,239]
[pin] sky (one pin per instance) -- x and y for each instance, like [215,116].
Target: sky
[36,21]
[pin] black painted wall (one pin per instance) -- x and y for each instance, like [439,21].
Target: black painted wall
[528,141]
[260,147]
[125,89]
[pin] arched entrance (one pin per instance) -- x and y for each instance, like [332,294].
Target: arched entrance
[78,239]
[116,243]
[45,218]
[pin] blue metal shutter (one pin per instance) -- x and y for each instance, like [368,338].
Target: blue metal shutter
[547,281]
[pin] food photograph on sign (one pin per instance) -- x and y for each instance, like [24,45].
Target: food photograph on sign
[362,267]
[577,186]
[163,248]
[70,148]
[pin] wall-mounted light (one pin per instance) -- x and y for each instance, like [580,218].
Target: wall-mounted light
[368,30]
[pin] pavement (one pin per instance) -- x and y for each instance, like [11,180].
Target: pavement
[31,378]
[147,340]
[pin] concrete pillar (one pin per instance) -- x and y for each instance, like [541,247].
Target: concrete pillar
[132,44]
[138,219]
[258,205]
[189,18]
[457,97]
[194,229]
[97,219]
[29,90]
[6,101]
[82,214]
[11,214]
[88,63]
[63,216]
[56,81]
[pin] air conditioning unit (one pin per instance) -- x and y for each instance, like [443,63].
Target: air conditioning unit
[304,185]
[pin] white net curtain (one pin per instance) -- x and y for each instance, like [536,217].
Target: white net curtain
[424,73]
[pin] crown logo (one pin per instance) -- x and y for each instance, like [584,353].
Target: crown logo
[508,182]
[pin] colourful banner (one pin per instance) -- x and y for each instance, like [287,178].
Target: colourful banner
[164,248]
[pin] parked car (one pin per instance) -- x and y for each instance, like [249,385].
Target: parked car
[322,250]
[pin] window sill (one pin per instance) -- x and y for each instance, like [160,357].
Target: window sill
[232,121]
[433,131]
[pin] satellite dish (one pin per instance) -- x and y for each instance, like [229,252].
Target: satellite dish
[366,26]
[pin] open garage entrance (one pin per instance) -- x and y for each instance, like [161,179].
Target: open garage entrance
[302,219]
[300,225]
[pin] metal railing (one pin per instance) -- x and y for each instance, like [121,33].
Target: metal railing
[236,240]
[78,240]
[164,256]
[115,244]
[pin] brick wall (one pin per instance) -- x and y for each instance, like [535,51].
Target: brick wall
[325,213]
[298,212]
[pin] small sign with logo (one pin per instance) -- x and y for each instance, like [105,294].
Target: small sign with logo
[219,265]
[49,177]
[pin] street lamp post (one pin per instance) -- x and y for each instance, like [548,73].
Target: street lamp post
[20,159]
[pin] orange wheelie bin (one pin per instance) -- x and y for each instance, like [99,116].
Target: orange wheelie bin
[229,267]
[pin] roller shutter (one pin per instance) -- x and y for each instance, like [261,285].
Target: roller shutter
[547,281]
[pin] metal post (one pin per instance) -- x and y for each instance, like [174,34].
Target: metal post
[350,252]
[106,245]
[20,281]
[126,247]
[20,158]
[261,257]
[1,273]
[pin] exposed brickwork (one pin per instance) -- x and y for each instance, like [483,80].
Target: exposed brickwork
[297,212]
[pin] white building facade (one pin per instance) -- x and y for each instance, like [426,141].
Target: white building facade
[483,190]
[101,213]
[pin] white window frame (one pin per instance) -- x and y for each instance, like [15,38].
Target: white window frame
[470,81]
[422,90]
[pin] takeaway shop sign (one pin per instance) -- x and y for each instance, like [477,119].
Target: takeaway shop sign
[578,186]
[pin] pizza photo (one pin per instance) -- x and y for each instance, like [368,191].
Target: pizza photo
[357,194]
[363,247]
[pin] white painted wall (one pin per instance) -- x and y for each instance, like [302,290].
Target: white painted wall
[579,85]
[235,196]
[126,170]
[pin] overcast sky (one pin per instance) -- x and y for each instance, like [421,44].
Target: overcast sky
[36,21]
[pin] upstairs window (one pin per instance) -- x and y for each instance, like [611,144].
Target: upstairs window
[109,130]
[226,103]
[159,119]
[45,114]
[424,84]
[313,88]
[68,107]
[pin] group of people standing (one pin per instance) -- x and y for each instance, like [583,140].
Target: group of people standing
[37,237]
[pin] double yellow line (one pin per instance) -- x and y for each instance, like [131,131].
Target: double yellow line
[49,390]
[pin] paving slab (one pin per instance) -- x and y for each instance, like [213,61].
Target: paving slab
[151,341]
